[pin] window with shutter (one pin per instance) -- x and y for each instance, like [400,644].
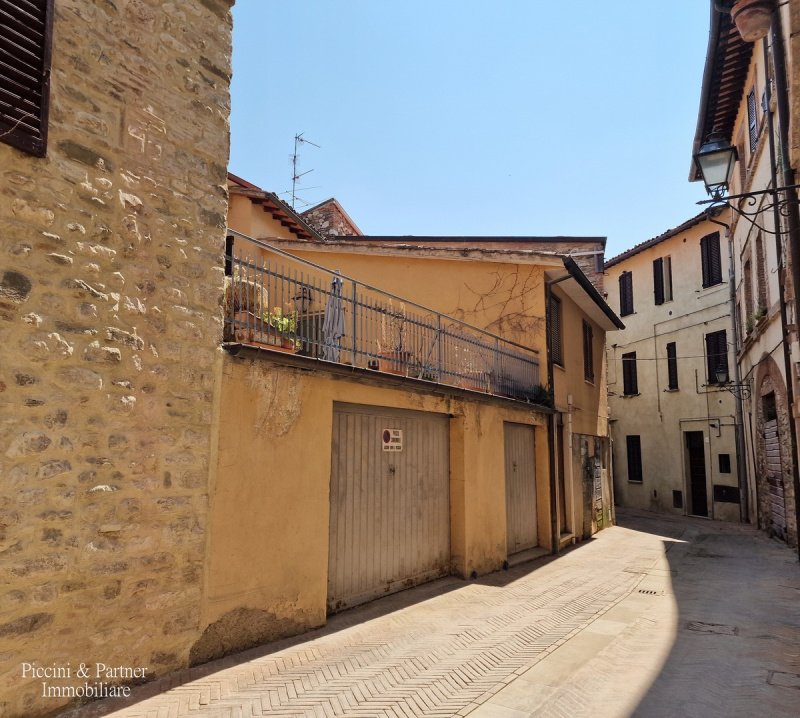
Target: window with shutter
[634,447]
[625,294]
[711,260]
[672,367]
[717,354]
[761,275]
[554,323]
[25,46]
[752,120]
[658,280]
[630,379]
[588,355]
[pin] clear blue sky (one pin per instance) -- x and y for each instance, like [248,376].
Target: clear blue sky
[459,117]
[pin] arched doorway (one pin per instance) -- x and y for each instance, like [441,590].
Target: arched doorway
[773,454]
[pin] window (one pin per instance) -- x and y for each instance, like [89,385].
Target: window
[711,260]
[716,354]
[588,355]
[677,499]
[769,407]
[662,280]
[761,274]
[599,263]
[752,120]
[724,463]
[672,367]
[625,294]
[554,325]
[747,281]
[634,445]
[25,39]
[630,380]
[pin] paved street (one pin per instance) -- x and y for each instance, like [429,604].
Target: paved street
[655,617]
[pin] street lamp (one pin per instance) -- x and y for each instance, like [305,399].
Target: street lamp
[738,389]
[715,161]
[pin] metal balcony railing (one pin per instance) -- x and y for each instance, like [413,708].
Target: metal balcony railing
[277,301]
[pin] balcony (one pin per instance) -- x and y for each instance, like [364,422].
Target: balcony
[278,302]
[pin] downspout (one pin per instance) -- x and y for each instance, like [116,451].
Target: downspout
[741,456]
[551,426]
[793,224]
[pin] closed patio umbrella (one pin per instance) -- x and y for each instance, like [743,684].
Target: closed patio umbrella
[333,325]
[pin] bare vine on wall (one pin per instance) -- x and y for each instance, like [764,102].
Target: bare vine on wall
[507,307]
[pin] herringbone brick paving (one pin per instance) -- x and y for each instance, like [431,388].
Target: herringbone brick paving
[482,647]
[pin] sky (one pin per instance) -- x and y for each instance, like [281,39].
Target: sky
[445,117]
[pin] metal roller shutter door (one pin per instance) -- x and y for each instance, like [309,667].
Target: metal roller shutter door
[389,511]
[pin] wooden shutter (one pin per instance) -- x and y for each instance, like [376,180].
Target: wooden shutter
[717,354]
[752,120]
[588,355]
[26,28]
[630,380]
[634,446]
[672,366]
[658,280]
[555,330]
[711,260]
[625,294]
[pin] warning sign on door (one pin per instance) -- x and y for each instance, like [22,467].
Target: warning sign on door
[392,439]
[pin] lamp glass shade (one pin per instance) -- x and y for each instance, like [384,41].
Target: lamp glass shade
[722,375]
[716,160]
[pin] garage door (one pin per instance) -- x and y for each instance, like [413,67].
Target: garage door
[520,488]
[390,507]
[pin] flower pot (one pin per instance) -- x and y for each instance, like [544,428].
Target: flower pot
[394,362]
[753,18]
[244,326]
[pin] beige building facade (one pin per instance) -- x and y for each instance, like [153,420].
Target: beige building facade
[112,217]
[673,424]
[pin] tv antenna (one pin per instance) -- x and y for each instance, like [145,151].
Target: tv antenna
[299,140]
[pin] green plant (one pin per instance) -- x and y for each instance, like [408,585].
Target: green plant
[541,395]
[284,323]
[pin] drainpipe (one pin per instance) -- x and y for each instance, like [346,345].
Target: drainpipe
[793,223]
[551,426]
[741,456]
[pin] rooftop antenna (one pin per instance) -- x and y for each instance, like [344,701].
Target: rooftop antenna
[299,140]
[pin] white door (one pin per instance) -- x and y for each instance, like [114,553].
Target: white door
[390,509]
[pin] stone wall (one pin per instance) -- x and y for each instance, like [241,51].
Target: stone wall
[110,293]
[329,220]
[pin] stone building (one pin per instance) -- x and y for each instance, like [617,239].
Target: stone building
[113,153]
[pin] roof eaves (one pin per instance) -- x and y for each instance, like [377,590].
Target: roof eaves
[589,288]
[727,54]
[647,244]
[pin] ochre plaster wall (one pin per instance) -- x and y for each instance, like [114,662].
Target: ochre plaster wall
[268,549]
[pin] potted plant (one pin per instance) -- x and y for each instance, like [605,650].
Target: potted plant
[393,357]
[753,18]
[277,330]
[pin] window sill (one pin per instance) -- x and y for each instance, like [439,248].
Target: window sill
[635,483]
[559,366]
[672,391]
[628,396]
[590,382]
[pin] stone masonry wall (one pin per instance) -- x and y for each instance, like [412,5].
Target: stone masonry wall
[110,316]
[328,220]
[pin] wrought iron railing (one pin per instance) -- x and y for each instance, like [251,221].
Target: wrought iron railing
[280,302]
